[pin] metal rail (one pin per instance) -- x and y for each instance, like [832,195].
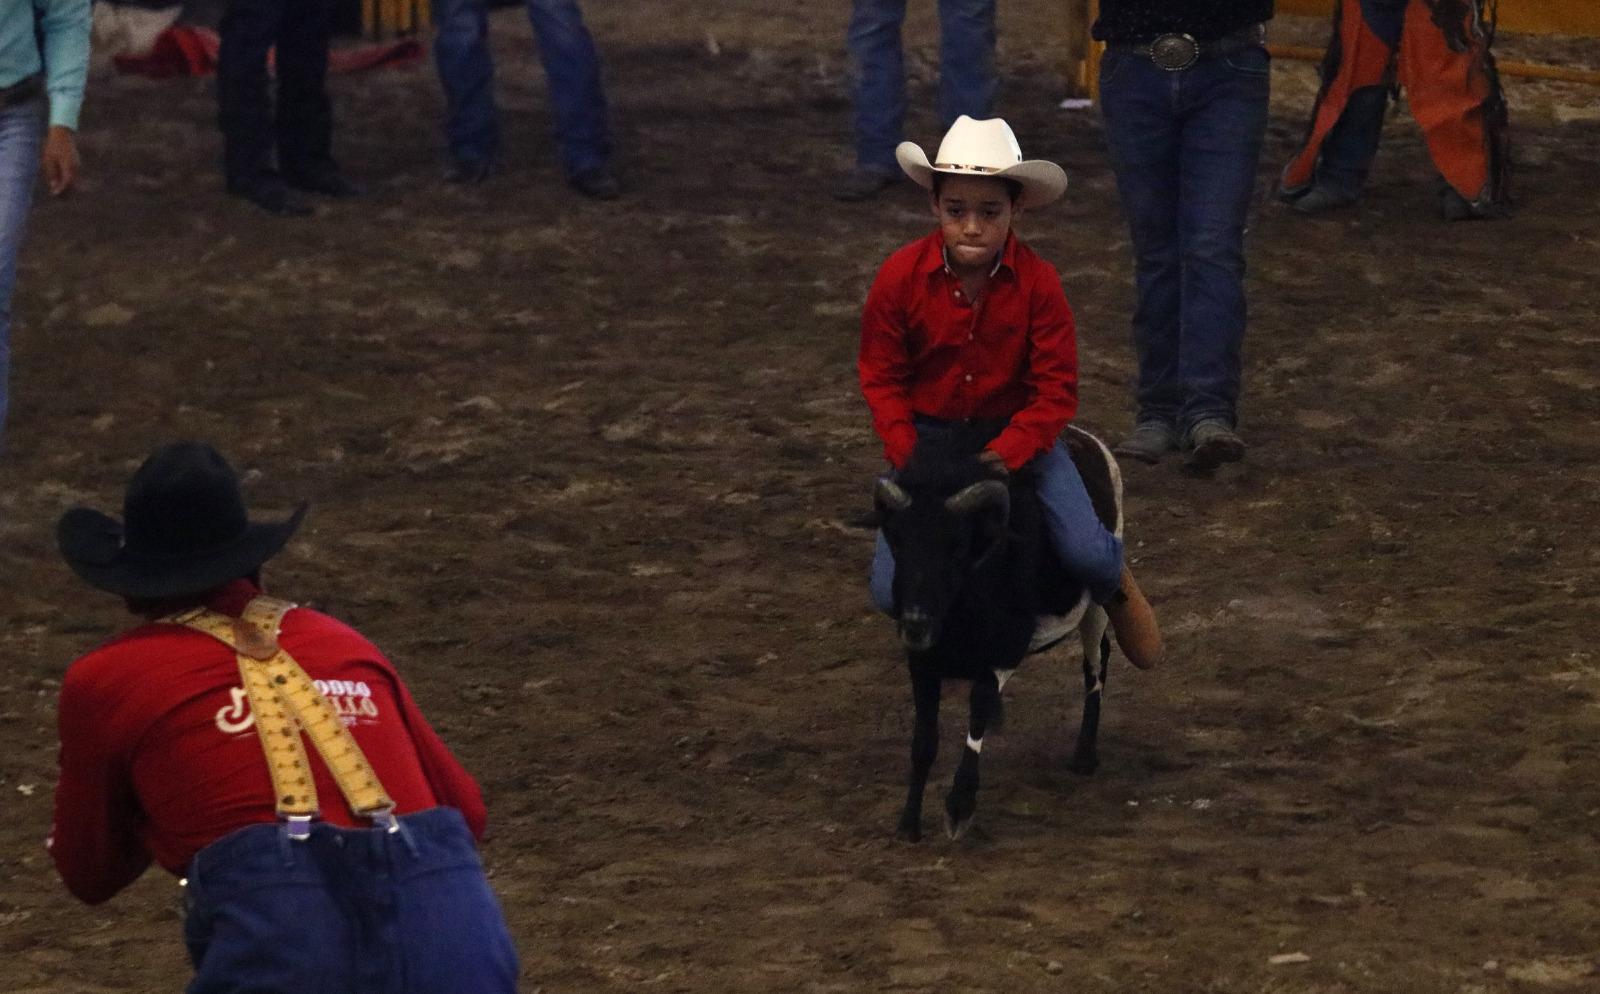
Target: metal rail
[1529,70]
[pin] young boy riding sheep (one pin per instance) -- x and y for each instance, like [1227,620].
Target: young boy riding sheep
[968,324]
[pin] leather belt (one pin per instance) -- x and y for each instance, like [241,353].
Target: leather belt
[1176,52]
[23,90]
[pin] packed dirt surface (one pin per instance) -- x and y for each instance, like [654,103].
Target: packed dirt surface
[587,472]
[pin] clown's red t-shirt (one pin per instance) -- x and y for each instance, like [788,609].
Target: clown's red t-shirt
[160,755]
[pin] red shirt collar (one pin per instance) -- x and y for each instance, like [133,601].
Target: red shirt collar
[231,597]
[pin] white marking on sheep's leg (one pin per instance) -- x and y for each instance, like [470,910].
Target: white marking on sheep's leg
[1001,676]
[976,745]
[1090,631]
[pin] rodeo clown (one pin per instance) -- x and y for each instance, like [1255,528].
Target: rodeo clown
[346,868]
[1438,50]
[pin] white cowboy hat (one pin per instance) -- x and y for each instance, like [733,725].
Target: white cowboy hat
[985,148]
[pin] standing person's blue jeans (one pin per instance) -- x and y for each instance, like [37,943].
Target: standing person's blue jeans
[967,81]
[571,63]
[21,135]
[1089,553]
[1184,146]
[347,911]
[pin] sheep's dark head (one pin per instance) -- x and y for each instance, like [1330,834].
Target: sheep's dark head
[940,527]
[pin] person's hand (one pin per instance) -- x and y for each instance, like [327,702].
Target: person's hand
[992,461]
[59,160]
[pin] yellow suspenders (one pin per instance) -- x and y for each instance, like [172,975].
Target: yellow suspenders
[285,703]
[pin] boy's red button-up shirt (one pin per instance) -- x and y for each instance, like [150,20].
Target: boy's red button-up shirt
[926,349]
[160,756]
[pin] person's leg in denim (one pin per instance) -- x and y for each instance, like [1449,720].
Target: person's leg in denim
[244,104]
[577,96]
[21,129]
[1346,155]
[967,80]
[304,124]
[880,581]
[1088,551]
[1225,119]
[1143,131]
[877,67]
[466,73]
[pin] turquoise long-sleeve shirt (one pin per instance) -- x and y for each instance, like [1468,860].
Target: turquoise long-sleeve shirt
[65,24]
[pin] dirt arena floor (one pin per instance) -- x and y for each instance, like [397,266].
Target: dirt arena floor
[585,471]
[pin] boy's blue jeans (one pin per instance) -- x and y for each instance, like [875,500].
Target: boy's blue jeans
[21,130]
[1184,146]
[571,65]
[1088,552]
[347,911]
[967,80]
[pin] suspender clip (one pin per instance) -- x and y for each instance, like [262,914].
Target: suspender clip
[384,818]
[297,827]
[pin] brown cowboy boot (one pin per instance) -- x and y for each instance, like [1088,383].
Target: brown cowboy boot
[1135,624]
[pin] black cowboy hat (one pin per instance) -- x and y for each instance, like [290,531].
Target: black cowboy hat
[184,529]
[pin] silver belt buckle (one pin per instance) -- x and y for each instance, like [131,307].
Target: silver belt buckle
[1175,52]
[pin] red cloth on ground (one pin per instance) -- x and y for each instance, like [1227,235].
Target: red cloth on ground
[190,51]
[927,350]
[160,757]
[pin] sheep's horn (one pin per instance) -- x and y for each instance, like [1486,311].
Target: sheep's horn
[980,494]
[891,495]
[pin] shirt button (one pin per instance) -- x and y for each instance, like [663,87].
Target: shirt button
[958,294]
[969,377]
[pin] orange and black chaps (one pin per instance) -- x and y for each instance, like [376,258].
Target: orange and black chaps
[1438,51]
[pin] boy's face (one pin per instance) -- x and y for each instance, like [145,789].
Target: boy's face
[975,213]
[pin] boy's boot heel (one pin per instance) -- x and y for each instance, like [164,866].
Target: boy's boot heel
[1134,622]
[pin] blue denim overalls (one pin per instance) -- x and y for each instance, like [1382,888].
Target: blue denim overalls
[305,907]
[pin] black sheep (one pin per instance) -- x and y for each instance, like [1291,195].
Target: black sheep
[971,579]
